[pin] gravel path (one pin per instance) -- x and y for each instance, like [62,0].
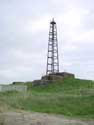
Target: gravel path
[24,118]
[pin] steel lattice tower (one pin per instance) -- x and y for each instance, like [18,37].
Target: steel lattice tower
[52,57]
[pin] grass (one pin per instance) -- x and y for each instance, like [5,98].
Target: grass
[70,97]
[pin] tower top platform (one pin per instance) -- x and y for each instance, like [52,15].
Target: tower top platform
[53,22]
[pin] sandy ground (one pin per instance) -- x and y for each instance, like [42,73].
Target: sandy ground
[25,118]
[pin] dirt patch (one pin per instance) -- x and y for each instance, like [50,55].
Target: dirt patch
[24,118]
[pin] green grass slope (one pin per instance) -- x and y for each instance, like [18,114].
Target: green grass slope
[70,97]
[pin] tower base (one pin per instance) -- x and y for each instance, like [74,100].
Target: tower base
[47,79]
[58,76]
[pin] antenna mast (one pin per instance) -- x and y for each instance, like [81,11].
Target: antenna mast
[52,57]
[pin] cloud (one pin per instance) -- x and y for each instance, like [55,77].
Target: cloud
[24,28]
[87,36]
[37,25]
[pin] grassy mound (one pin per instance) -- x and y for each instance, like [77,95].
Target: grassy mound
[70,97]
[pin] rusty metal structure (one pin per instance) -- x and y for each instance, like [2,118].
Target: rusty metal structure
[52,57]
[52,71]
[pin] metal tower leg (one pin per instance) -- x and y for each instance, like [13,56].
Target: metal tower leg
[52,57]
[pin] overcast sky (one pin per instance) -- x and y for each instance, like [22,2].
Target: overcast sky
[24,27]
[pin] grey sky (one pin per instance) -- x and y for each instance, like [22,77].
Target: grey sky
[24,27]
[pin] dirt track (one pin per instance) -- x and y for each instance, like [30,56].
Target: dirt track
[23,118]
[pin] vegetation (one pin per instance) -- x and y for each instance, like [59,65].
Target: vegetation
[70,97]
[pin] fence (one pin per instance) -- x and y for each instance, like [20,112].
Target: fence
[20,88]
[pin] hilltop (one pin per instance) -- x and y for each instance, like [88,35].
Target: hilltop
[69,97]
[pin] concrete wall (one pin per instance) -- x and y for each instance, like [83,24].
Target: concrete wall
[40,82]
[58,76]
[20,88]
[47,79]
